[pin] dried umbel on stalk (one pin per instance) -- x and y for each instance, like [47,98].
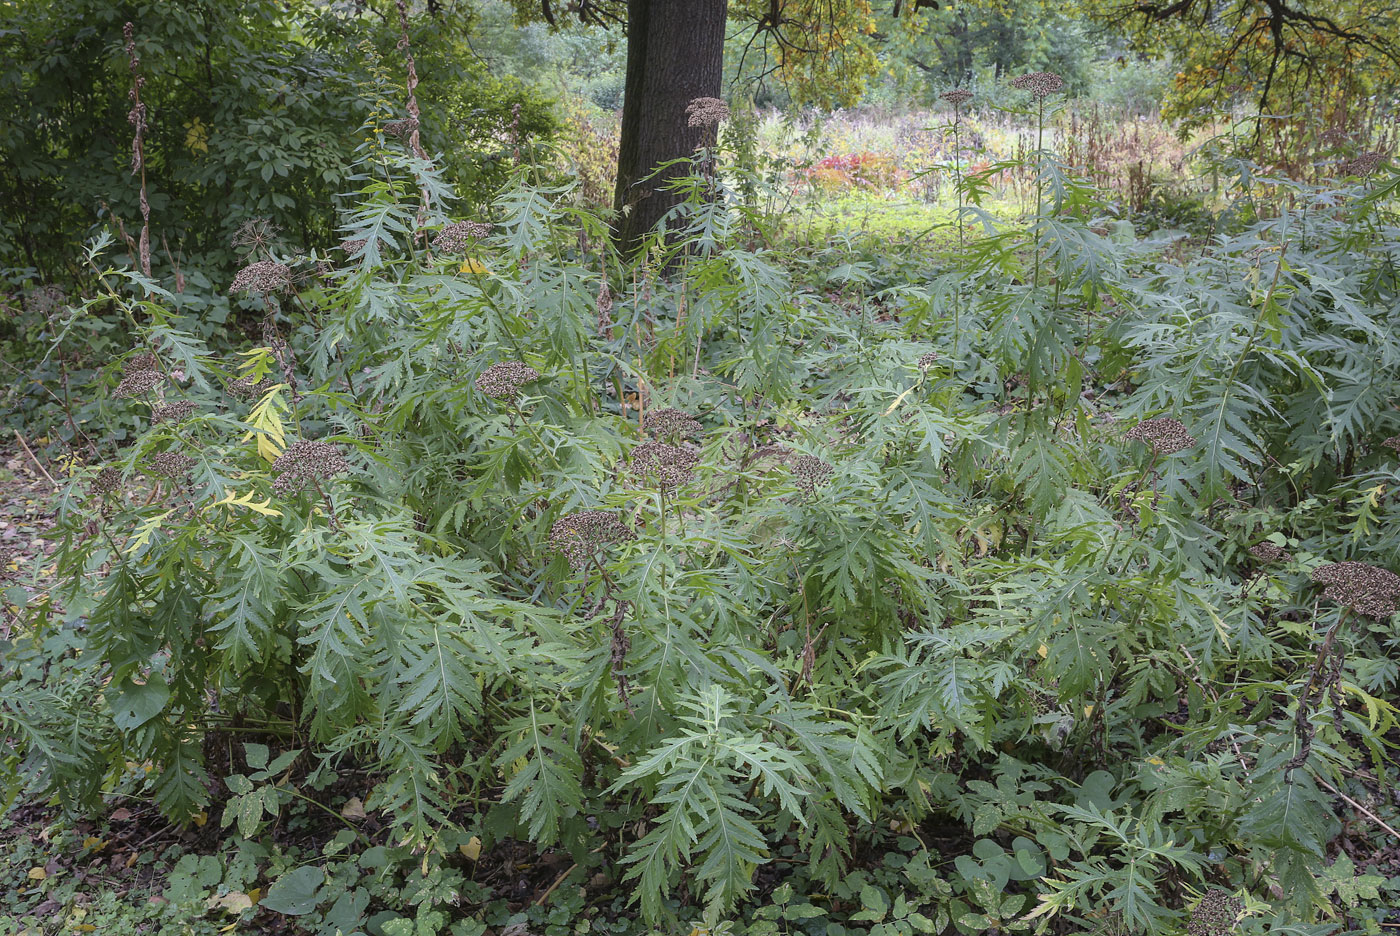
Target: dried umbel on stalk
[1215,915]
[140,374]
[1268,552]
[503,381]
[1040,84]
[1165,434]
[957,97]
[137,118]
[1366,589]
[457,237]
[671,465]
[1362,165]
[706,112]
[264,276]
[246,388]
[927,360]
[172,412]
[1392,443]
[255,234]
[353,245]
[170,464]
[306,462]
[44,299]
[810,472]
[672,423]
[582,535]
[403,129]
[109,479]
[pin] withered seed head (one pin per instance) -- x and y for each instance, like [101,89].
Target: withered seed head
[170,464]
[1366,589]
[927,360]
[1164,433]
[579,536]
[1215,915]
[671,423]
[504,380]
[706,112]
[172,412]
[109,479]
[264,276]
[457,237]
[1268,552]
[306,461]
[246,388]
[1041,84]
[671,465]
[1362,165]
[957,96]
[811,473]
[402,129]
[1392,443]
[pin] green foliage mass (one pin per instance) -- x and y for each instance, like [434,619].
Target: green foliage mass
[910,585]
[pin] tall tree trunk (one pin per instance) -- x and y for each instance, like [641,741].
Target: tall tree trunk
[675,53]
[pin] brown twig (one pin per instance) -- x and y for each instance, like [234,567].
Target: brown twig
[32,457]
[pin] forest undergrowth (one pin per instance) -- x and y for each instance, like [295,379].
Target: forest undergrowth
[494,582]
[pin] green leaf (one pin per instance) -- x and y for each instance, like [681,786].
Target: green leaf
[296,892]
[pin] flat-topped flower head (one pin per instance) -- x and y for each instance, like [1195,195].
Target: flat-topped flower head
[109,479]
[1215,915]
[957,96]
[503,381]
[810,472]
[304,462]
[1267,552]
[170,464]
[670,465]
[706,112]
[582,535]
[1041,84]
[264,276]
[1362,165]
[1165,434]
[457,237]
[1366,589]
[672,423]
[172,412]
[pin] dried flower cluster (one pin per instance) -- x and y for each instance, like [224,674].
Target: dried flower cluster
[504,380]
[579,536]
[706,112]
[403,129]
[457,237]
[1268,552]
[671,465]
[1362,165]
[44,299]
[1041,84]
[8,556]
[1215,915]
[264,276]
[1392,442]
[1164,433]
[170,464]
[927,360]
[811,473]
[670,423]
[1365,589]
[304,462]
[139,375]
[353,245]
[172,412]
[109,479]
[246,388]
[957,96]
[255,234]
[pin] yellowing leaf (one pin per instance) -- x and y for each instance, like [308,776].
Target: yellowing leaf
[94,843]
[199,818]
[1042,651]
[473,265]
[255,894]
[266,418]
[145,531]
[1088,711]
[263,507]
[37,874]
[353,809]
[1156,762]
[472,849]
[234,902]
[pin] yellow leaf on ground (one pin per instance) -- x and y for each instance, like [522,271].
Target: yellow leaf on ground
[472,849]
[94,843]
[233,902]
[37,874]
[1042,651]
[200,818]
[353,809]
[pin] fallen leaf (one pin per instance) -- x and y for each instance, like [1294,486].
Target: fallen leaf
[200,818]
[472,849]
[234,902]
[354,809]
[120,815]
[37,874]
[85,928]
[255,894]
[94,843]
[131,859]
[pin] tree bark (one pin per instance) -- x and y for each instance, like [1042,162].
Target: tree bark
[675,53]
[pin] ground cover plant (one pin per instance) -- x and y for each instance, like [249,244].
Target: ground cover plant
[487,578]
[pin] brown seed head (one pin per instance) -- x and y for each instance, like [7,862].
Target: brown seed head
[170,464]
[172,412]
[1041,84]
[810,473]
[957,96]
[457,237]
[1366,589]
[1267,552]
[580,536]
[504,380]
[306,461]
[109,479]
[671,465]
[246,388]
[672,423]
[1392,443]
[1215,915]
[264,276]
[1164,433]
[403,129]
[706,112]
[927,360]
[1362,165]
